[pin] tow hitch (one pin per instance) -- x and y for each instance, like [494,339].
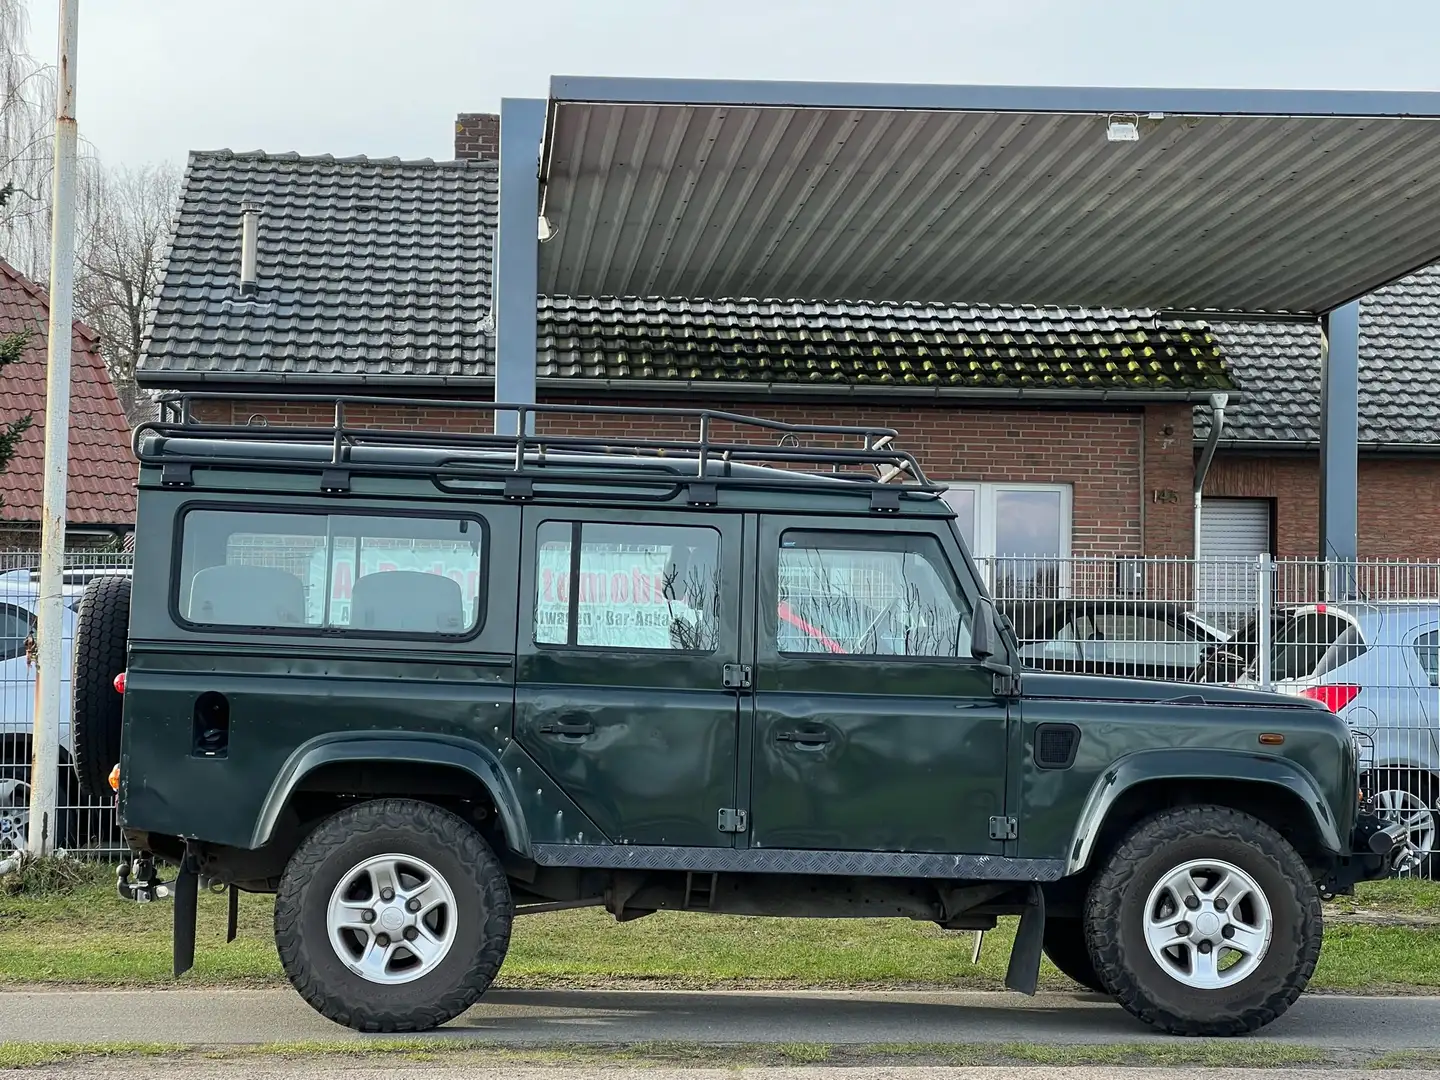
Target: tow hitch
[139,880]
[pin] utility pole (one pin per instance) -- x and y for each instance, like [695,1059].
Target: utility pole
[45,743]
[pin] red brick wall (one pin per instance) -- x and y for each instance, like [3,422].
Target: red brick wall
[1399,501]
[477,136]
[1097,452]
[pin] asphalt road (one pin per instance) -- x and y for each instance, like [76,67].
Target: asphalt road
[332,1070]
[217,1017]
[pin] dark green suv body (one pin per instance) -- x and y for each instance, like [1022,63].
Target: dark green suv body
[418,684]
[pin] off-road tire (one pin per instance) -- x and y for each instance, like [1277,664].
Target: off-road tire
[458,852]
[1066,946]
[102,628]
[1114,911]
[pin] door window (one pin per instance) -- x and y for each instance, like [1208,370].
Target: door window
[14,629]
[1427,648]
[627,586]
[869,594]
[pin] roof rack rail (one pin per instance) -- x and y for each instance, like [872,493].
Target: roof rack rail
[800,453]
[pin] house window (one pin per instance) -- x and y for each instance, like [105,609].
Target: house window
[1019,533]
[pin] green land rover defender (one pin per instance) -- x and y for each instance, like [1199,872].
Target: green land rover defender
[417,684]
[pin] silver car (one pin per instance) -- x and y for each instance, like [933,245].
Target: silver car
[1378,666]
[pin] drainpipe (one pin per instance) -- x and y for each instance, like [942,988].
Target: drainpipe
[1202,470]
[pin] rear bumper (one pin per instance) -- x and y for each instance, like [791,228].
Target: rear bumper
[1375,846]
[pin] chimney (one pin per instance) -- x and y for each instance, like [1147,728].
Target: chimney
[249,241]
[477,137]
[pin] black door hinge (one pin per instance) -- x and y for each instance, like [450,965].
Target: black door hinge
[1006,686]
[734,821]
[1004,828]
[735,677]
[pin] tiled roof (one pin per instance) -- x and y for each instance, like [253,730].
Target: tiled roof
[102,470]
[374,267]
[380,269]
[1279,367]
[916,345]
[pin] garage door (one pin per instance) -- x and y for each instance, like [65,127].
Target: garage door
[1234,533]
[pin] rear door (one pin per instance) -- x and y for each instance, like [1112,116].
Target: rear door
[629,622]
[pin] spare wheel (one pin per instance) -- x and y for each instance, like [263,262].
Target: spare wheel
[101,630]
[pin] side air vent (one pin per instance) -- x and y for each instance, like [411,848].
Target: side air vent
[1055,745]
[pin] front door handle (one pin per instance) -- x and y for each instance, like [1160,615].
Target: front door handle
[804,738]
[573,730]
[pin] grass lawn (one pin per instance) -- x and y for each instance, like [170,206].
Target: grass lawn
[84,934]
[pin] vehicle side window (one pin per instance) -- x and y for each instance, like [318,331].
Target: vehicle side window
[327,573]
[15,624]
[1129,638]
[869,594]
[1427,648]
[654,587]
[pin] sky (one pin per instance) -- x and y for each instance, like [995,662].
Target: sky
[157,78]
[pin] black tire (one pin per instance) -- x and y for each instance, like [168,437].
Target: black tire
[1115,910]
[1426,789]
[102,628]
[421,831]
[1068,950]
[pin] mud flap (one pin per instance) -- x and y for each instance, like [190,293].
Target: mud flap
[232,917]
[1023,974]
[187,902]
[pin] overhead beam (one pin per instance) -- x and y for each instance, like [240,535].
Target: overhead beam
[515,283]
[1340,439]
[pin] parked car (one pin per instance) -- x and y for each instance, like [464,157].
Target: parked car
[1133,638]
[418,684]
[1377,665]
[19,605]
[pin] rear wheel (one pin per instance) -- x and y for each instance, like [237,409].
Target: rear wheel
[393,916]
[102,628]
[1413,799]
[1204,921]
[1068,950]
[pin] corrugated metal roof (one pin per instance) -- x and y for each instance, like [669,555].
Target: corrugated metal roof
[1229,201]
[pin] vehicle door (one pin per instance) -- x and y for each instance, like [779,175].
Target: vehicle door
[629,622]
[17,679]
[1424,659]
[874,729]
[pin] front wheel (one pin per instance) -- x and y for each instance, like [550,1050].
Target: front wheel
[393,916]
[1204,921]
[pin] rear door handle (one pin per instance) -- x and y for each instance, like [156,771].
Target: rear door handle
[804,738]
[572,730]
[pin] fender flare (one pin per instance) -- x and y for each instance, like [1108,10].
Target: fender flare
[1182,764]
[382,746]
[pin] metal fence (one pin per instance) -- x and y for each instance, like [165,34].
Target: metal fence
[1362,638]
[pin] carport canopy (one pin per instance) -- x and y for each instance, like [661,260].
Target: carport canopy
[1271,203]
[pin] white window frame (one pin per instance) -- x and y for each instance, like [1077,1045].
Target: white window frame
[987,498]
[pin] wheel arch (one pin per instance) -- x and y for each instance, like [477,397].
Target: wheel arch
[1274,789]
[466,760]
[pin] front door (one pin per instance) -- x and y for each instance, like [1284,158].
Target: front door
[628,622]
[874,729]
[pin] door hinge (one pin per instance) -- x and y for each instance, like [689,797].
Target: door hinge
[1004,828]
[735,677]
[732,820]
[1006,686]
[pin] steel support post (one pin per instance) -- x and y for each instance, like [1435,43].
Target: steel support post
[1339,447]
[515,285]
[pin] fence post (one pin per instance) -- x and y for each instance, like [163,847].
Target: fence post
[1264,621]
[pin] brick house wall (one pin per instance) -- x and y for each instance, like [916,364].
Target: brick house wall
[1116,460]
[1399,501]
[477,137]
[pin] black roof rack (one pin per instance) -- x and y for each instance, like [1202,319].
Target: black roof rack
[801,454]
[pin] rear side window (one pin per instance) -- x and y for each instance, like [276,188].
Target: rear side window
[1427,648]
[1303,643]
[357,574]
